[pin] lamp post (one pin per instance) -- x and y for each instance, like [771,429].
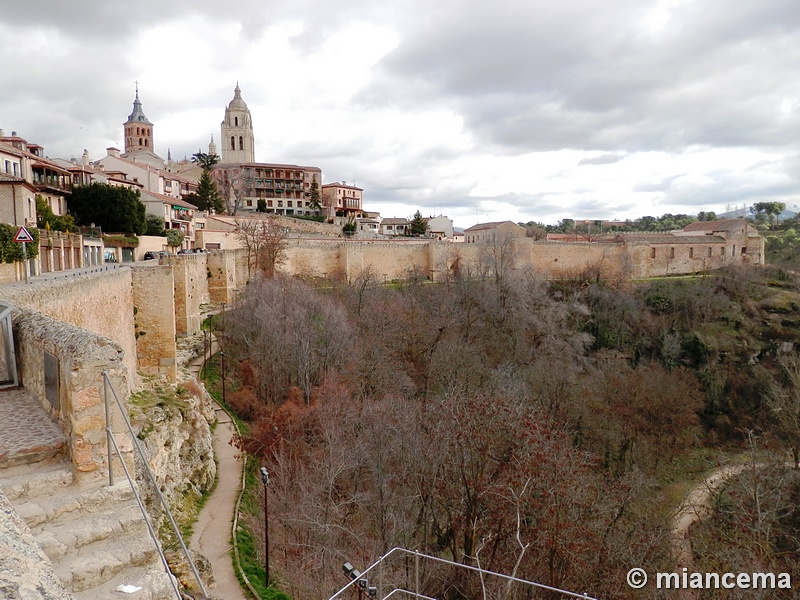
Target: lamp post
[222,353]
[265,481]
[222,366]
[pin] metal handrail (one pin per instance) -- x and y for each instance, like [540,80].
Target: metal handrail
[417,555]
[108,385]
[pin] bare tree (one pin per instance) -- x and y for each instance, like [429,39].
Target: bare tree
[235,185]
[784,403]
[265,242]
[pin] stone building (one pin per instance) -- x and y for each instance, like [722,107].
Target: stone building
[485,232]
[342,200]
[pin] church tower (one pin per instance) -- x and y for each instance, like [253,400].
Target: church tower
[138,130]
[238,142]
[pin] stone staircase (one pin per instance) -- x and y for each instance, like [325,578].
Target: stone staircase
[94,534]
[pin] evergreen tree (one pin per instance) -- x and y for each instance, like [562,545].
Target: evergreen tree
[207,197]
[114,209]
[419,226]
[315,203]
[155,226]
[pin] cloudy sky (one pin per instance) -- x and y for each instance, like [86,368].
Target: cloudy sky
[513,109]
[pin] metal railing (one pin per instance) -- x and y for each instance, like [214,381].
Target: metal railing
[378,566]
[109,386]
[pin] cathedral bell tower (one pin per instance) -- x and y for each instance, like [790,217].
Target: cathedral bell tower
[138,130]
[237,142]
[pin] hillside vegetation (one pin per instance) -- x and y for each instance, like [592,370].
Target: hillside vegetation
[529,427]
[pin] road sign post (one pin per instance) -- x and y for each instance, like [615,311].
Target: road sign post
[24,236]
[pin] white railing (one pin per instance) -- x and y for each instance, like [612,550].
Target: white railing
[359,581]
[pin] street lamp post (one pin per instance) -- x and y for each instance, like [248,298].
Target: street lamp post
[222,366]
[265,481]
[222,354]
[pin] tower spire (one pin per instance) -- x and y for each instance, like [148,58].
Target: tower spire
[138,129]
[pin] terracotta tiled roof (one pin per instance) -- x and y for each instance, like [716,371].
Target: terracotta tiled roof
[153,197]
[493,225]
[336,184]
[721,225]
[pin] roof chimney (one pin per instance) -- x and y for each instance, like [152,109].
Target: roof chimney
[85,157]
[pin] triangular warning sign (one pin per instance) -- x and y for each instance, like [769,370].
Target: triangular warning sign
[23,235]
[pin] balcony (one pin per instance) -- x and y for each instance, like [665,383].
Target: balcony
[54,183]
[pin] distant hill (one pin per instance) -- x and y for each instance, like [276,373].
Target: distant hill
[745,212]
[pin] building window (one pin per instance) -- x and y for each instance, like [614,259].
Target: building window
[709,253]
[744,249]
[691,252]
[652,252]
[733,250]
[241,143]
[233,143]
[722,251]
[672,252]
[235,121]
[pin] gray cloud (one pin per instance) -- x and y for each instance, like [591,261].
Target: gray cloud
[603,159]
[609,80]
[588,76]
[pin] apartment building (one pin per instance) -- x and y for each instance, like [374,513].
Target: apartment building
[279,189]
[342,200]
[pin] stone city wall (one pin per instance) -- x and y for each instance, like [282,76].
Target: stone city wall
[664,259]
[221,275]
[567,260]
[190,274]
[98,302]
[75,394]
[154,319]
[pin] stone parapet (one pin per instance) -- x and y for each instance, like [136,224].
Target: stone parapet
[62,366]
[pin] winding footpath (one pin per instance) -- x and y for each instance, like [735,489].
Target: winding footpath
[212,532]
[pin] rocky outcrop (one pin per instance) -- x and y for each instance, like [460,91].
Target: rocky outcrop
[25,571]
[174,430]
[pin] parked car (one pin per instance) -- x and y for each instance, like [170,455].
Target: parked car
[151,255]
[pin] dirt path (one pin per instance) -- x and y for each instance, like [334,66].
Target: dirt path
[212,532]
[696,506]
